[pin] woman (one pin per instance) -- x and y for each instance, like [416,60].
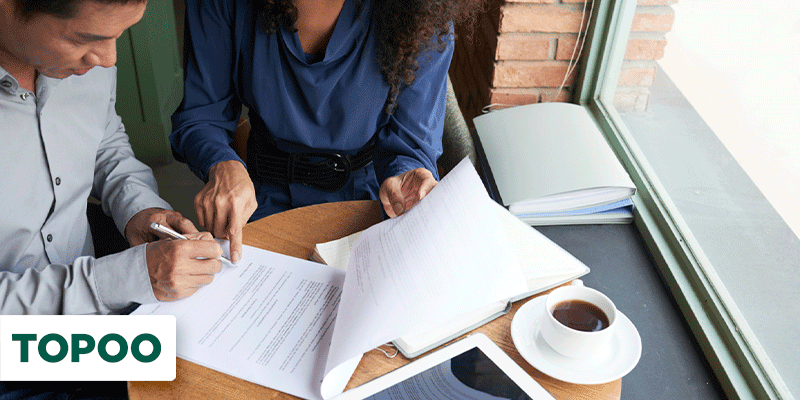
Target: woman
[346,100]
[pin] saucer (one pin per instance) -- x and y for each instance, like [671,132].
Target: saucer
[614,362]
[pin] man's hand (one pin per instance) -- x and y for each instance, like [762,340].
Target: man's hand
[138,230]
[399,193]
[178,268]
[226,203]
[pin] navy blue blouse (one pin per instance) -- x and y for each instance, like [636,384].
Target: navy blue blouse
[332,102]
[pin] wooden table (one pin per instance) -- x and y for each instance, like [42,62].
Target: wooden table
[295,233]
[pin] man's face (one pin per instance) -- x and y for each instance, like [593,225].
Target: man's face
[59,47]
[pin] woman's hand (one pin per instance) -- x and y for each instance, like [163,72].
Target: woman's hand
[226,203]
[399,193]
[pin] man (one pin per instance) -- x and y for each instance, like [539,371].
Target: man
[62,141]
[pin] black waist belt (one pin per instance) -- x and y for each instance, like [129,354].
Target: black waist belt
[324,171]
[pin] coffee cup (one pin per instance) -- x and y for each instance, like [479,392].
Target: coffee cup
[578,321]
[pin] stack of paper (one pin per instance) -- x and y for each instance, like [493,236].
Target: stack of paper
[544,265]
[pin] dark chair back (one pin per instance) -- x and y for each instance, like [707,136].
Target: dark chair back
[457,140]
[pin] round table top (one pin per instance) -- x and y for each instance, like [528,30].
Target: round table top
[295,233]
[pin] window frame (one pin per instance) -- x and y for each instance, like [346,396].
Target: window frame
[731,348]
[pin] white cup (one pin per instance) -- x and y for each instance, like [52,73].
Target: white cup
[570,342]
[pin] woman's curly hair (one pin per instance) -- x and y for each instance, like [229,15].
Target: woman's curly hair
[405,29]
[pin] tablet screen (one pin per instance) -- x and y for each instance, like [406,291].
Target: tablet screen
[470,375]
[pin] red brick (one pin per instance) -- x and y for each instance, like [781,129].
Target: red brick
[502,98]
[645,49]
[553,95]
[513,97]
[652,21]
[566,45]
[531,74]
[522,47]
[642,76]
[576,1]
[539,18]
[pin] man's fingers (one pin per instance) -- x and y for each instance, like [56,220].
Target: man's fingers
[198,281]
[194,249]
[161,295]
[172,295]
[187,274]
[200,236]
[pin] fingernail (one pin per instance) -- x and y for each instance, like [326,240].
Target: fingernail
[235,256]
[398,208]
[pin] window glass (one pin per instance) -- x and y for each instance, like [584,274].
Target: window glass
[709,89]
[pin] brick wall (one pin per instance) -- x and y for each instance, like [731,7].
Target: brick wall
[521,51]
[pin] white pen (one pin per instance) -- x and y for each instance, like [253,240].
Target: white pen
[175,235]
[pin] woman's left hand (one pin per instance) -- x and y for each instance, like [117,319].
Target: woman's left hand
[399,193]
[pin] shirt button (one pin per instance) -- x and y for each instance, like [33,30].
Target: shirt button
[24,96]
[58,181]
[49,237]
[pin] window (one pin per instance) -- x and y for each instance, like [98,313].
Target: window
[710,133]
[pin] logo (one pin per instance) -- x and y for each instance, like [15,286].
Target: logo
[80,348]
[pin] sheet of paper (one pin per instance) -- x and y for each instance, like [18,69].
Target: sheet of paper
[337,253]
[269,321]
[539,257]
[445,257]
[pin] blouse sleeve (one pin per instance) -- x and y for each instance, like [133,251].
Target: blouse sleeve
[413,136]
[204,123]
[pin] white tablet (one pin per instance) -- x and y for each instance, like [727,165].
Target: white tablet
[472,368]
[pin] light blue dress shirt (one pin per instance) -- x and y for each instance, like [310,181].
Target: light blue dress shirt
[60,145]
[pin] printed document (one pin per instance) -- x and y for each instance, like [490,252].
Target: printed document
[301,327]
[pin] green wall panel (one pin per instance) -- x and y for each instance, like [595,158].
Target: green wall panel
[149,82]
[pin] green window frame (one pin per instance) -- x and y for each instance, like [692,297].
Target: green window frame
[729,345]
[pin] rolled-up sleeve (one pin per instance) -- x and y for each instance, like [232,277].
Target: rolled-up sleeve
[412,138]
[88,286]
[204,123]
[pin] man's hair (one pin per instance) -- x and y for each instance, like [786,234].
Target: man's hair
[64,9]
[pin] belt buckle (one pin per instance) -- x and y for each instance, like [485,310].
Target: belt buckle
[341,166]
[332,173]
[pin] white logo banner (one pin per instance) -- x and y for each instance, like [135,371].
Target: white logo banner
[87,348]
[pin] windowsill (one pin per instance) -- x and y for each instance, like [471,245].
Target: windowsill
[753,251]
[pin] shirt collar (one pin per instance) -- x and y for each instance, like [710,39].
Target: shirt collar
[8,83]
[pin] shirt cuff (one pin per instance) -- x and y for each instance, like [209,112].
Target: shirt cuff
[123,278]
[131,200]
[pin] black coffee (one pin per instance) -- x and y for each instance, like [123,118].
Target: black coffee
[580,315]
